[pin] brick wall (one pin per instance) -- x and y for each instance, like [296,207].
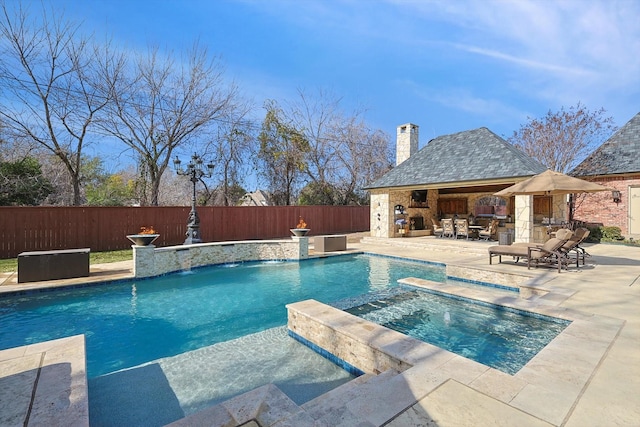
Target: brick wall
[600,208]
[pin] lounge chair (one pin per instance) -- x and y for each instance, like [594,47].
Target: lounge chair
[447,228]
[437,228]
[573,245]
[562,234]
[462,228]
[548,253]
[490,231]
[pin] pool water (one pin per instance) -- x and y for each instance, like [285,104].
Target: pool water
[494,336]
[134,322]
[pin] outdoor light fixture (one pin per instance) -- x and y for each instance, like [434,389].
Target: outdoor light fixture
[616,196]
[195,172]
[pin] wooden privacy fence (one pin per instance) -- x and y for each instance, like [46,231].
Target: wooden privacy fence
[104,228]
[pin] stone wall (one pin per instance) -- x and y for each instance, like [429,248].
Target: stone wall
[383,216]
[358,342]
[150,261]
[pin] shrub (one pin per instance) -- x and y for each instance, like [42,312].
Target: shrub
[599,233]
[595,234]
[612,233]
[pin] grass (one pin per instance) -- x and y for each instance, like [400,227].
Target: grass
[11,264]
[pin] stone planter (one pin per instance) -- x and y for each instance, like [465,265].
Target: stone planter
[142,239]
[300,232]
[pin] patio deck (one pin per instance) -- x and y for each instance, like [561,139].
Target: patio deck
[608,287]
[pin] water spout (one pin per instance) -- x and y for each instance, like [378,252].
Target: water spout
[229,255]
[184,259]
[276,255]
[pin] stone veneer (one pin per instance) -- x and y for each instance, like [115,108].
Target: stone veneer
[480,275]
[382,220]
[149,261]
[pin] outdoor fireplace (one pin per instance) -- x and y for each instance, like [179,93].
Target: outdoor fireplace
[416,223]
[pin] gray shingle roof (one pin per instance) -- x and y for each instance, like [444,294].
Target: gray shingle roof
[472,155]
[618,154]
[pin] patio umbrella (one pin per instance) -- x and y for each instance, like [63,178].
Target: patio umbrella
[550,183]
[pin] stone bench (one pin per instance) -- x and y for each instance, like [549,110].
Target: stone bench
[330,243]
[50,265]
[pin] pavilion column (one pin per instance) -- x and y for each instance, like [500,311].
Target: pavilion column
[524,218]
[381,215]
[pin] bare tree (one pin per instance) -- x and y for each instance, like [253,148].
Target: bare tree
[160,104]
[52,82]
[319,117]
[365,155]
[344,153]
[561,139]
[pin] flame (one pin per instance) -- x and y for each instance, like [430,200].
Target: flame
[301,224]
[147,230]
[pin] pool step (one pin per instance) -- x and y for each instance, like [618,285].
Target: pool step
[369,400]
[331,407]
[382,303]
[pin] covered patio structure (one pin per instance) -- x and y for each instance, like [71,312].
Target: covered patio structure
[457,176]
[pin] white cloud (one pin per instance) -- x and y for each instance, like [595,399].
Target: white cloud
[526,62]
[554,52]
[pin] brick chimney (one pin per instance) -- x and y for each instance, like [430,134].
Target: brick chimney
[406,142]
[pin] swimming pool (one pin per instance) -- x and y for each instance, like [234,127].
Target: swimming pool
[505,339]
[133,322]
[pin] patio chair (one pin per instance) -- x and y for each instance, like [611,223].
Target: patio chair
[462,228]
[437,227]
[549,253]
[490,231]
[573,245]
[562,234]
[447,228]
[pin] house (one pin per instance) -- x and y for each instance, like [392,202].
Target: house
[257,198]
[454,175]
[615,164]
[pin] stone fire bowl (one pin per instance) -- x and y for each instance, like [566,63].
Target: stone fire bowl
[142,239]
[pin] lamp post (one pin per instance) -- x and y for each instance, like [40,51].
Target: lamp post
[195,172]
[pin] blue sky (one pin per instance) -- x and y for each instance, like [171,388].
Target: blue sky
[447,66]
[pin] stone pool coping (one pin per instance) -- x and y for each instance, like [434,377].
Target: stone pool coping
[45,384]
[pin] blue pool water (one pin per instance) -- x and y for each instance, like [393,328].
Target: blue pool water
[496,337]
[135,322]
